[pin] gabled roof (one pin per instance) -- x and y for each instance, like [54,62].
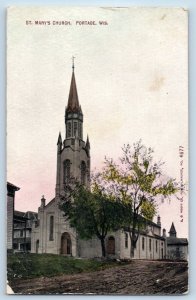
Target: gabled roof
[171,240]
[51,202]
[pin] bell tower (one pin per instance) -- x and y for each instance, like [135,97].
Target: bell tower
[73,112]
[73,154]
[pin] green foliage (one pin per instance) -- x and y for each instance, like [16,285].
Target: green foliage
[93,212]
[148,210]
[23,265]
[122,196]
[138,180]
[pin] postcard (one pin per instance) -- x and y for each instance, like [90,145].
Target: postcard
[97,150]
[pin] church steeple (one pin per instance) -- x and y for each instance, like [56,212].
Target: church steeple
[73,111]
[73,102]
[73,153]
[172,231]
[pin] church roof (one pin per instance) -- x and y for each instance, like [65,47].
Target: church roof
[172,229]
[148,222]
[50,202]
[171,240]
[73,102]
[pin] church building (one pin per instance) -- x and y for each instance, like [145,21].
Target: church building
[52,233]
[177,248]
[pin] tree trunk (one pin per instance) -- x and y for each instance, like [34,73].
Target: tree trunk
[103,247]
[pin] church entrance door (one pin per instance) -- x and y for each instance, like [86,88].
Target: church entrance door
[161,253]
[111,246]
[66,244]
[37,246]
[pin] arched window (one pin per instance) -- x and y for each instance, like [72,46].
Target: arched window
[143,243]
[68,132]
[150,244]
[75,128]
[51,229]
[80,130]
[83,172]
[126,240]
[67,167]
[156,246]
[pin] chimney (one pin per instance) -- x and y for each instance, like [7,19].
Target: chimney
[159,220]
[164,232]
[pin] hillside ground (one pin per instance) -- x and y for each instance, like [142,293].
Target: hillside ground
[53,274]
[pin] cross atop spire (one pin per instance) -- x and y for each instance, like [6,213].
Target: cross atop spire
[73,57]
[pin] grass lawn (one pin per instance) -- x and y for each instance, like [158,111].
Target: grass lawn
[28,265]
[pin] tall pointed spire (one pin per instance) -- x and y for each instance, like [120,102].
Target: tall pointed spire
[59,139]
[73,102]
[172,231]
[59,144]
[87,142]
[87,147]
[73,111]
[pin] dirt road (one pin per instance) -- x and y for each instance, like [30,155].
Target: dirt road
[138,277]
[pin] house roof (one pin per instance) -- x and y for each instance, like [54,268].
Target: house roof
[12,186]
[19,217]
[171,240]
[18,213]
[31,215]
[25,217]
[11,189]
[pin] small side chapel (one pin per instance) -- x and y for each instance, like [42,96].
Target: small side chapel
[52,234]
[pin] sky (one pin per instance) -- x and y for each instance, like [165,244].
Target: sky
[131,77]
